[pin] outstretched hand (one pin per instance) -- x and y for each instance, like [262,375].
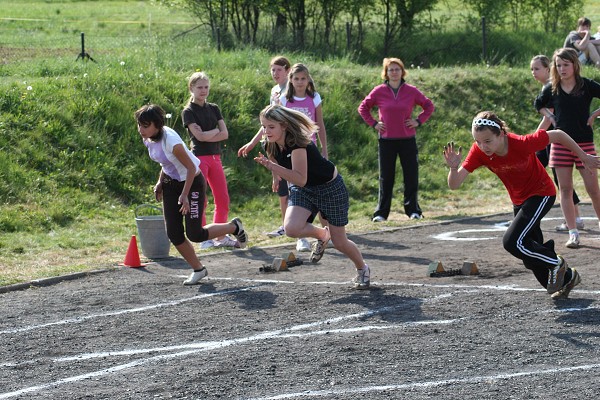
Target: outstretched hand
[452,156]
[262,160]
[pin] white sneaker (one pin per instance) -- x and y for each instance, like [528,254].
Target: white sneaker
[277,232]
[573,242]
[227,242]
[207,244]
[378,218]
[302,245]
[195,277]
[415,216]
[564,228]
[363,278]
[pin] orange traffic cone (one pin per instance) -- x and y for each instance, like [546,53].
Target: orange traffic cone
[132,258]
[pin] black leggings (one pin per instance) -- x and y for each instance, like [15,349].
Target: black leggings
[524,240]
[174,219]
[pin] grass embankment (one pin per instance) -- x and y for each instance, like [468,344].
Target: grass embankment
[73,167]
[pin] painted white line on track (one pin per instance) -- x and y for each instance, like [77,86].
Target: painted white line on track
[427,384]
[78,320]
[213,345]
[505,288]
[497,227]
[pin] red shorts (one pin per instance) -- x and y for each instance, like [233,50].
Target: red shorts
[561,157]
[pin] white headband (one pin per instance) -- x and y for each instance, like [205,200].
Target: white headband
[487,122]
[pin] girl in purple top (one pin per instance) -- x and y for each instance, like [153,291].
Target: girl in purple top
[396,100]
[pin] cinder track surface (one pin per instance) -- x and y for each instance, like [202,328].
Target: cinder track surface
[305,333]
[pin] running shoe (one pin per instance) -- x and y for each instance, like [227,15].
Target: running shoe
[363,278]
[378,218]
[227,242]
[564,228]
[556,276]
[564,292]
[241,236]
[573,242]
[195,277]
[318,248]
[207,244]
[415,216]
[302,245]
[277,232]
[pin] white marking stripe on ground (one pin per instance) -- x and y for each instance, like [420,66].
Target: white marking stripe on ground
[214,345]
[78,320]
[427,384]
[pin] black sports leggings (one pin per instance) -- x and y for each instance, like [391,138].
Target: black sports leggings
[174,220]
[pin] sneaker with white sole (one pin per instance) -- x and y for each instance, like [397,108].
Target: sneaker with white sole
[363,278]
[227,242]
[207,244]
[415,216]
[378,218]
[318,247]
[564,228]
[573,242]
[563,293]
[556,276]
[195,277]
[302,245]
[241,236]
[277,232]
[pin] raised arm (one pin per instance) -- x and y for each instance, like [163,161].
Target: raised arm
[453,158]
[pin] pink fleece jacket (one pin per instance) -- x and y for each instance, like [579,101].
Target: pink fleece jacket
[395,110]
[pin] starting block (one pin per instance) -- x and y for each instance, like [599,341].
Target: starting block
[436,269]
[281,263]
[469,268]
[290,259]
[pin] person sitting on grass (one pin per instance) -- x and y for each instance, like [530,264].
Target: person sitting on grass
[181,187]
[513,159]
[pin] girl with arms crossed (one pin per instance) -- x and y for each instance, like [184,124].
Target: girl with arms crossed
[207,130]
[512,158]
[181,187]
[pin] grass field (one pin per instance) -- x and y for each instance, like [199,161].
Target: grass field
[73,168]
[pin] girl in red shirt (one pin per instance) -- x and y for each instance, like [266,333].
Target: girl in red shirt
[512,158]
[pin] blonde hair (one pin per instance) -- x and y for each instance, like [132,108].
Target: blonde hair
[298,127]
[196,76]
[386,64]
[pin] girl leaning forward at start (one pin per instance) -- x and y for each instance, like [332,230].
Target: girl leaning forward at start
[315,186]
[512,158]
[181,187]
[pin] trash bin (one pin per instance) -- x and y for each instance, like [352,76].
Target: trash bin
[152,233]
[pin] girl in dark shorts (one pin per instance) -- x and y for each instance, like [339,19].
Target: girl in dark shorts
[315,186]
[181,187]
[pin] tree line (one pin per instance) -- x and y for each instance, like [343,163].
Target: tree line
[345,26]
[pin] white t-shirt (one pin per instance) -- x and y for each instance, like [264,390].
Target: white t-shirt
[162,153]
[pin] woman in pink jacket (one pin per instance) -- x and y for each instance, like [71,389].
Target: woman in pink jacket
[396,100]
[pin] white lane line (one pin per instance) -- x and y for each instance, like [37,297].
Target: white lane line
[213,345]
[427,384]
[505,288]
[78,320]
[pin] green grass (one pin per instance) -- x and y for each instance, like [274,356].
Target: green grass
[73,167]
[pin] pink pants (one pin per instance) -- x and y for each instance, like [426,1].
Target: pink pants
[212,169]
